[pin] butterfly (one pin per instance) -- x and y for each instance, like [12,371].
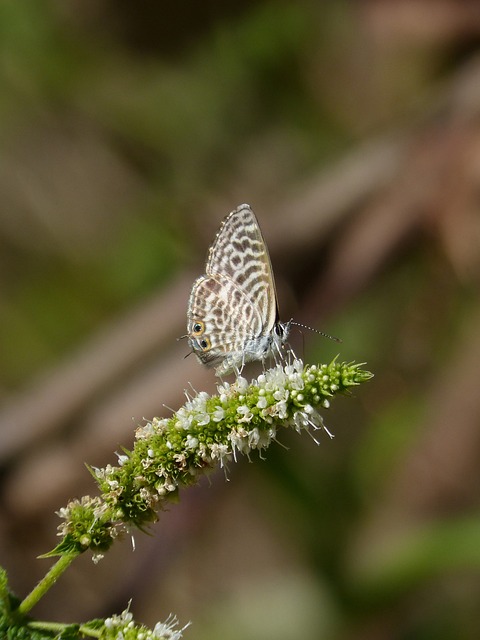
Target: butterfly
[233,310]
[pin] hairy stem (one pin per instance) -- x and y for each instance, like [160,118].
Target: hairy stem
[46,582]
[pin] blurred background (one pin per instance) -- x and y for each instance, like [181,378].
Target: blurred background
[127,132]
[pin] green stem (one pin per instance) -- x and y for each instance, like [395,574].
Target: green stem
[48,581]
[58,627]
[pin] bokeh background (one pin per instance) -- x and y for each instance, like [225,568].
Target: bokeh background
[128,130]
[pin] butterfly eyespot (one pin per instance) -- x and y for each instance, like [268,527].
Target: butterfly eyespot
[198,328]
[205,344]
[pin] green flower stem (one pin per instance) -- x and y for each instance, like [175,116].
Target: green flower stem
[59,627]
[90,633]
[48,581]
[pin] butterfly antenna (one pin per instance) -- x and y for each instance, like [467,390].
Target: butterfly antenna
[321,333]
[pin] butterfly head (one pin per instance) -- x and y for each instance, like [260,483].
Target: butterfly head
[282,331]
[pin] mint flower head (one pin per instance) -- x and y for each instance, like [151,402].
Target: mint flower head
[123,627]
[171,453]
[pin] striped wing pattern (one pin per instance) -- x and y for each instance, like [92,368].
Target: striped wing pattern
[232,312]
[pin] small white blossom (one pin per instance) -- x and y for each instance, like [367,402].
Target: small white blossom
[184,418]
[281,409]
[145,493]
[180,459]
[117,621]
[239,439]
[259,439]
[281,394]
[97,557]
[274,378]
[262,402]
[203,419]
[224,389]
[245,412]
[168,630]
[191,442]
[199,402]
[144,432]
[241,384]
[300,420]
[218,414]
[219,452]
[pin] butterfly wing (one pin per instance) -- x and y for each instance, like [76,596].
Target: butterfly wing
[221,320]
[232,312]
[239,252]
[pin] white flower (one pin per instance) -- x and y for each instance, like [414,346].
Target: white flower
[274,379]
[121,620]
[180,459]
[281,394]
[241,384]
[223,389]
[262,402]
[296,381]
[239,439]
[145,431]
[245,412]
[191,442]
[281,409]
[168,630]
[218,414]
[199,402]
[300,420]
[259,439]
[202,419]
[219,452]
[184,418]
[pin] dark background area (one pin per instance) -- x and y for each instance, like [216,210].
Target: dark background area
[127,132]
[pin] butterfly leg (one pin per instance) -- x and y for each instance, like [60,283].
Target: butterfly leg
[278,353]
